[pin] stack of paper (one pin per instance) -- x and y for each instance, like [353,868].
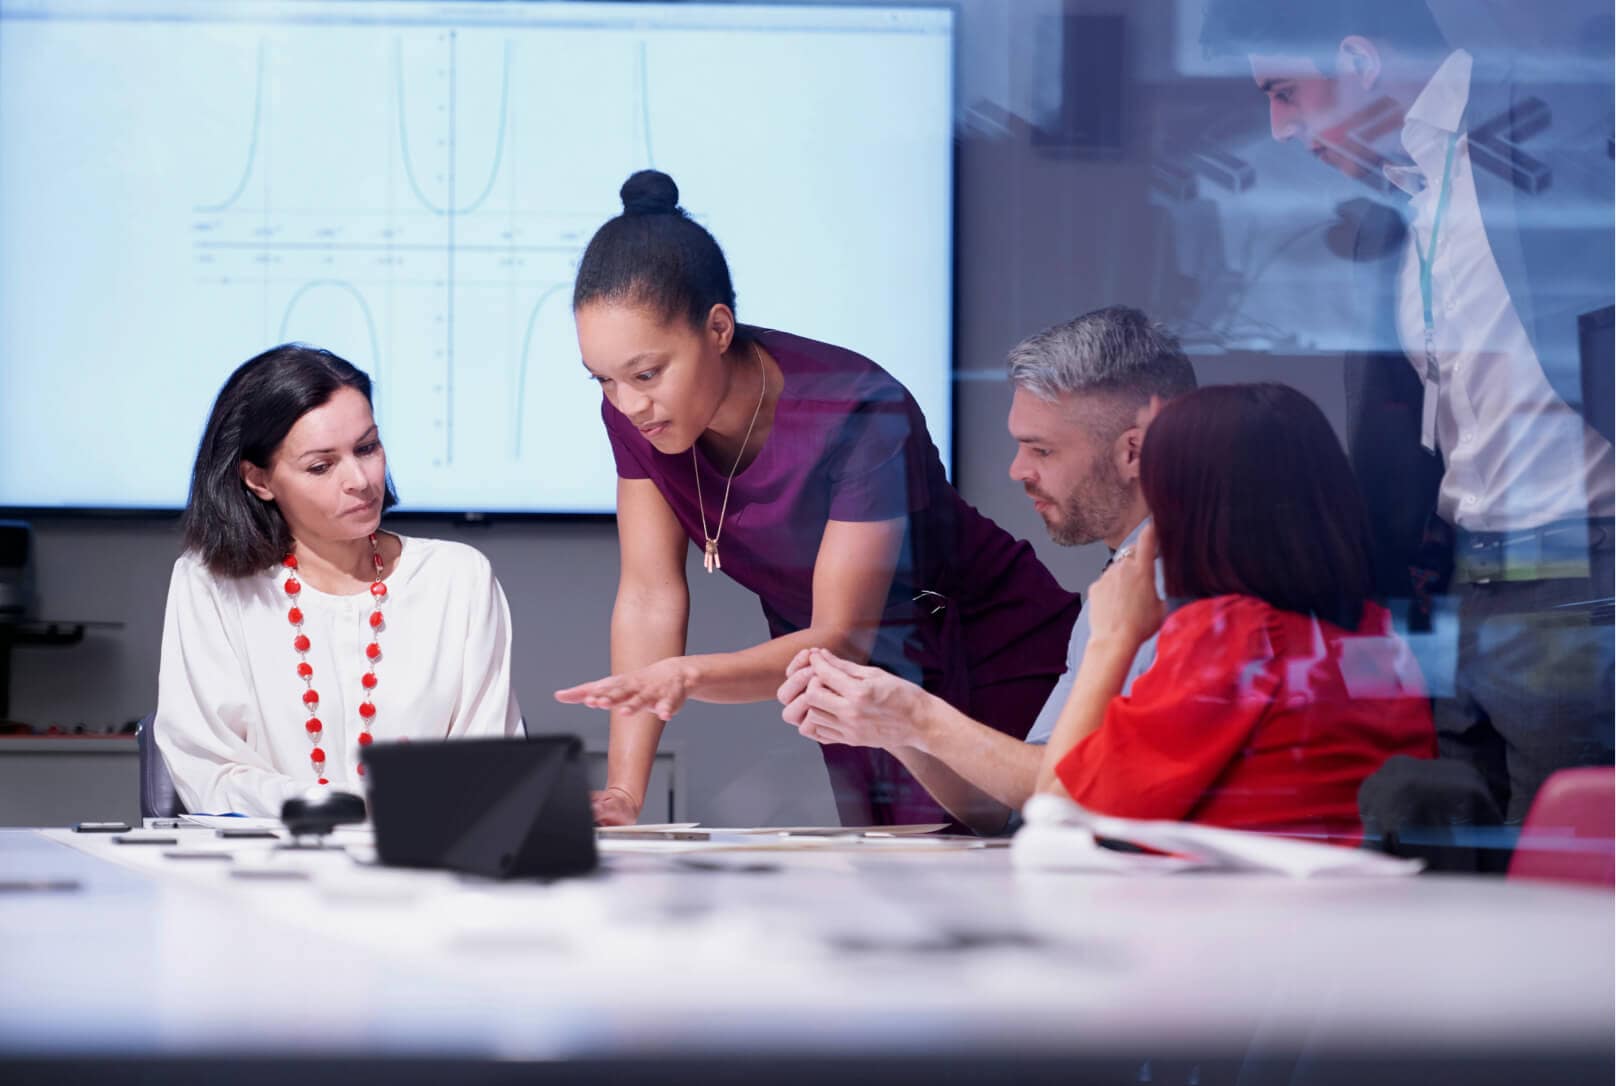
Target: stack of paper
[1060,835]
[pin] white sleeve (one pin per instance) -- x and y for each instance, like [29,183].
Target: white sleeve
[204,709]
[487,705]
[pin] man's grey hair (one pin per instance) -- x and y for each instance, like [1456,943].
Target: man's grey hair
[1116,351]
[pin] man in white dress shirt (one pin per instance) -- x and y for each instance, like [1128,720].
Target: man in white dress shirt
[1497,267]
[1085,391]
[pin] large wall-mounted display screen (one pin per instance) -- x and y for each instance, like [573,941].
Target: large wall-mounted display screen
[410,184]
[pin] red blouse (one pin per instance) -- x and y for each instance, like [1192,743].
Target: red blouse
[1255,718]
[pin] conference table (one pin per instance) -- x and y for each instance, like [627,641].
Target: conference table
[784,959]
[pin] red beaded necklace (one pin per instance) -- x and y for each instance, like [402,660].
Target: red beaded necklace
[305,670]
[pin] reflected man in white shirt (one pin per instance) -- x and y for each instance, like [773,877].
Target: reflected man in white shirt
[1508,250]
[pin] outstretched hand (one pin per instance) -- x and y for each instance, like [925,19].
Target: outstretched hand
[659,688]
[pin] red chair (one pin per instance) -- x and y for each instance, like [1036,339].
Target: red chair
[1570,832]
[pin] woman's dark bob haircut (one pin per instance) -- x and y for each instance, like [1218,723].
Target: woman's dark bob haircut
[1251,495]
[230,528]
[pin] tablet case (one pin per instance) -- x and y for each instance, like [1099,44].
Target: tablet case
[502,808]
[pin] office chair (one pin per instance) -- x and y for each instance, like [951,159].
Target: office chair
[1570,831]
[158,799]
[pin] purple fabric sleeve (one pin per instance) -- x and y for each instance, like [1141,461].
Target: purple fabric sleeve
[877,469]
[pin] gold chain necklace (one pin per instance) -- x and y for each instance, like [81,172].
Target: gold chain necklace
[709,557]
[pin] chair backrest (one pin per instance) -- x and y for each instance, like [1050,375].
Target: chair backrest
[158,798]
[1570,832]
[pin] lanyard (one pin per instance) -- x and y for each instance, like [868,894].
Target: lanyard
[1427,258]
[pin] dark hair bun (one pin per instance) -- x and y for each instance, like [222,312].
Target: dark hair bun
[649,192]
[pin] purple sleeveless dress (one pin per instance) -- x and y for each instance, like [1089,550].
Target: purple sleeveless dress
[972,615]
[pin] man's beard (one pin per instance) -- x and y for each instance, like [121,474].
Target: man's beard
[1091,512]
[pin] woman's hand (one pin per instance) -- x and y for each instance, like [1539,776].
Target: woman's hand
[1122,604]
[659,688]
[830,700]
[614,807]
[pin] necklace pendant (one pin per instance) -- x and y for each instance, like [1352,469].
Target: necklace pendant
[709,558]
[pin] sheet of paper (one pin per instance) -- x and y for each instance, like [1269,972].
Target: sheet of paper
[642,828]
[1060,834]
[650,833]
[231,822]
[695,831]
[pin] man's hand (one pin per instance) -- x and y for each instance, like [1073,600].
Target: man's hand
[830,700]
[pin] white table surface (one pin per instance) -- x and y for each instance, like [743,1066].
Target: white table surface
[842,951]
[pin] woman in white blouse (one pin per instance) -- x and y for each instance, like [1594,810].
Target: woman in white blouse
[296,630]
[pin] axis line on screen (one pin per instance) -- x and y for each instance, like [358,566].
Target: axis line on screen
[644,76]
[404,135]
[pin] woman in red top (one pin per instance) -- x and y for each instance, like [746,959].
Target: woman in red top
[1278,684]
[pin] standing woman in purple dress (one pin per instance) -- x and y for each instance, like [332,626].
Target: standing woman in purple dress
[807,475]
